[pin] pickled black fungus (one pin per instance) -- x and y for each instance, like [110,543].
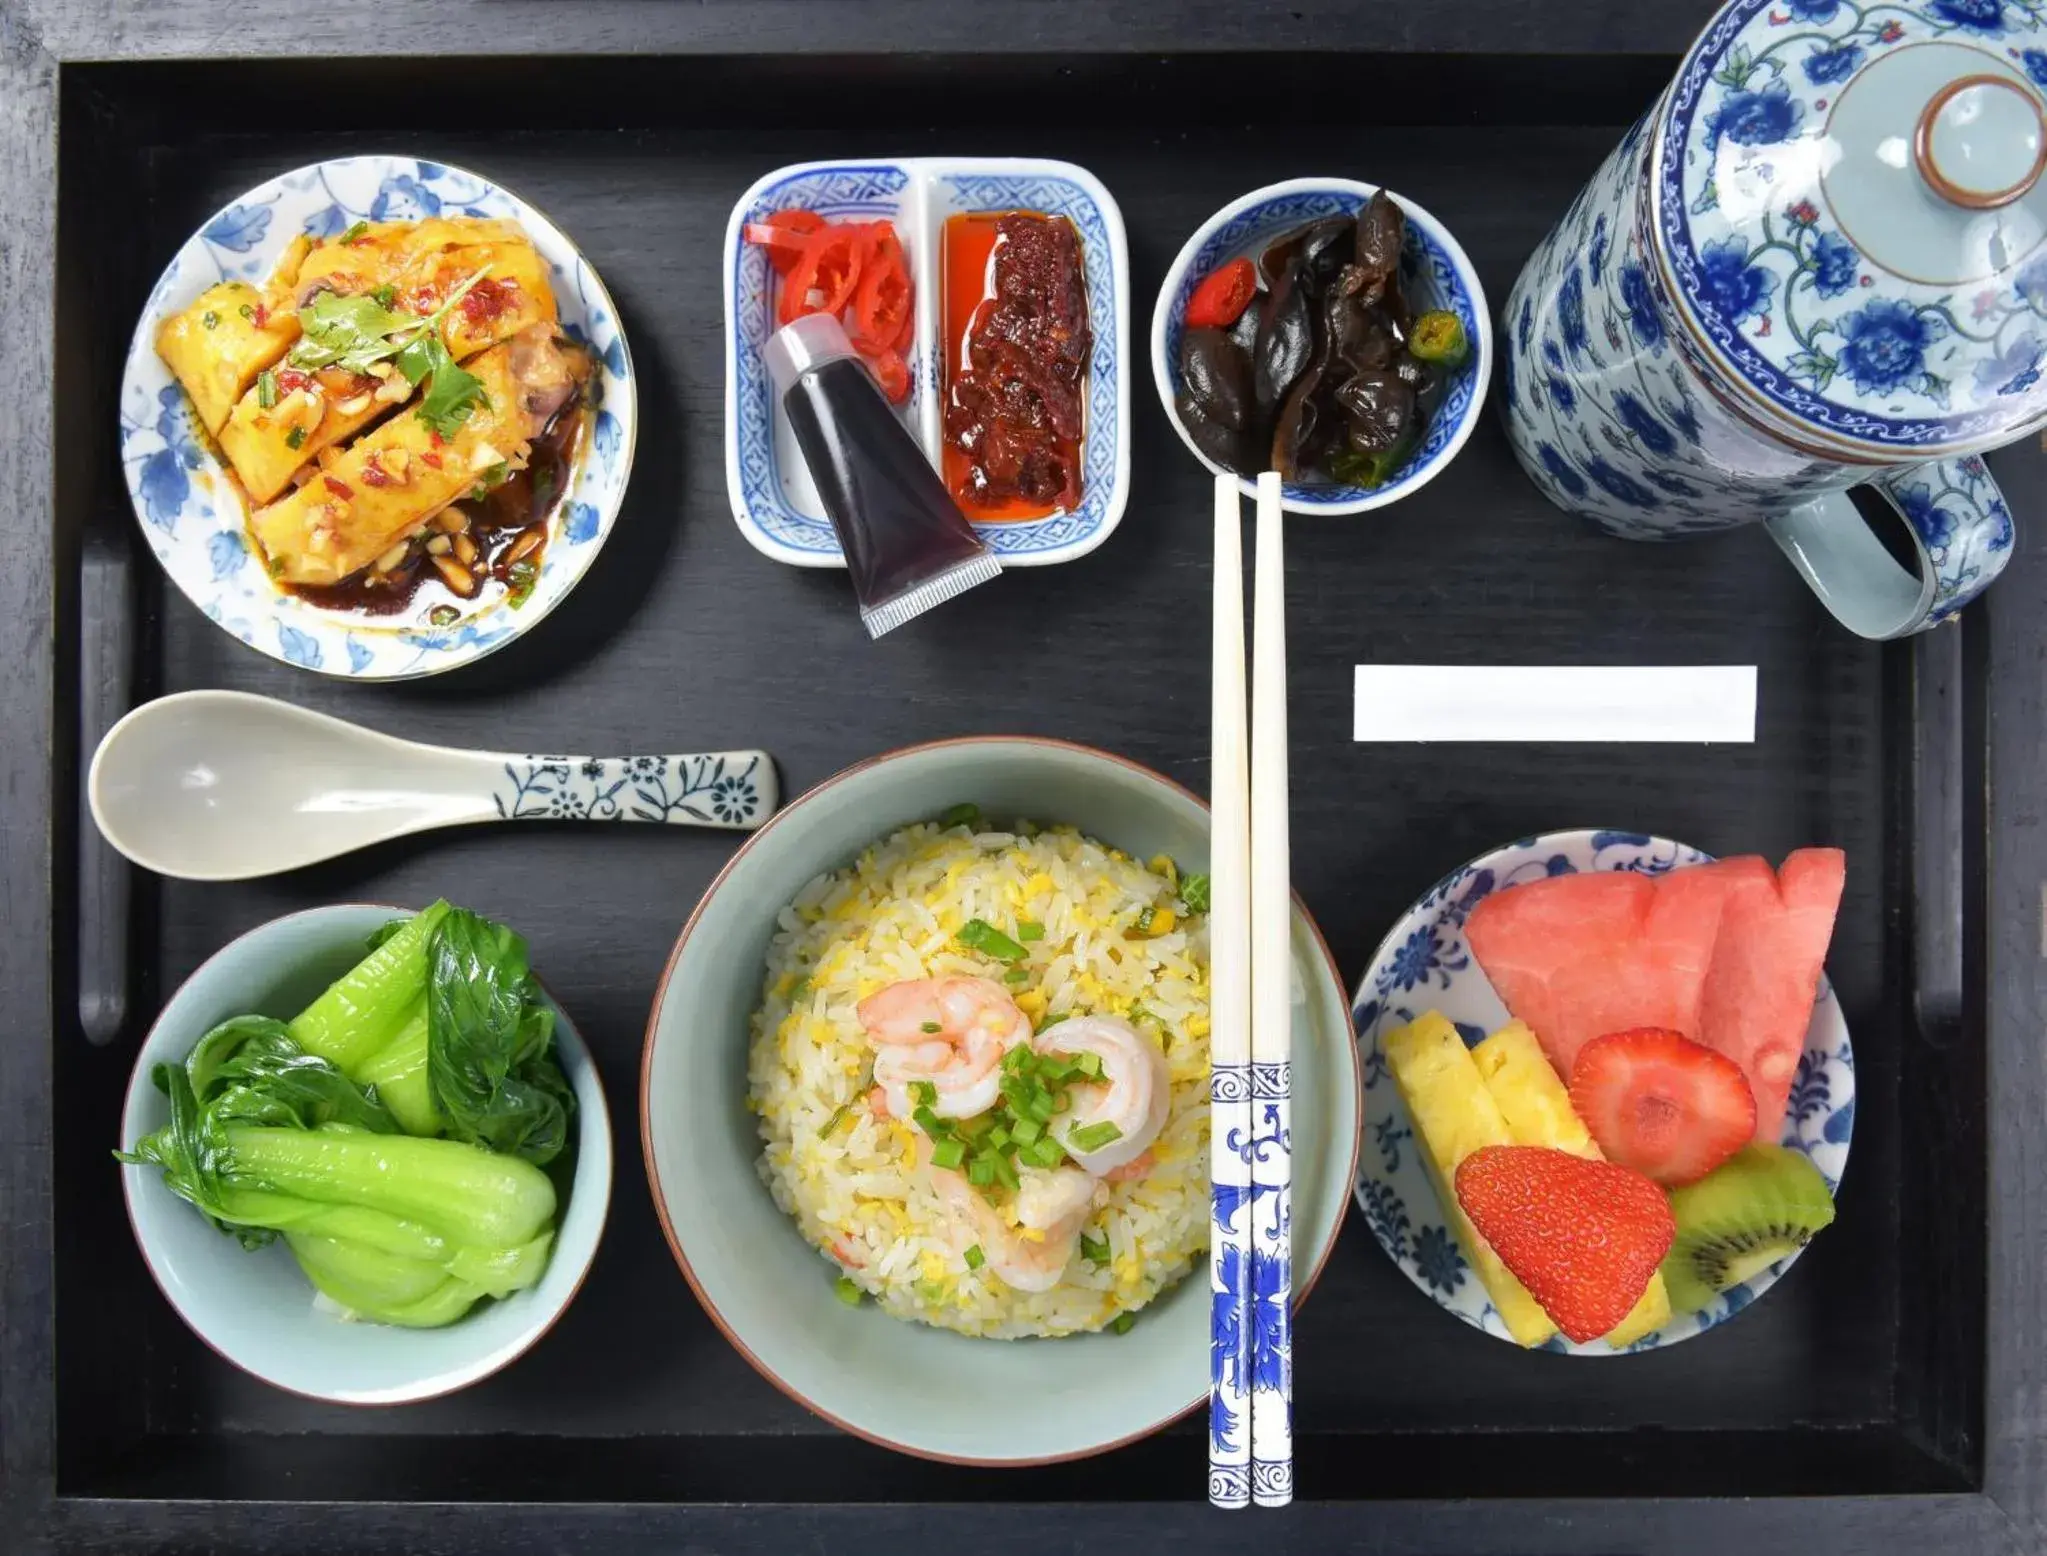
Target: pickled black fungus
[1320,379]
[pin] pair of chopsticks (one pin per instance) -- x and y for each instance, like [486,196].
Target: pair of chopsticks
[1250,1412]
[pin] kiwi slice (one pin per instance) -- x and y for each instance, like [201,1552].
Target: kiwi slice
[1762,1203]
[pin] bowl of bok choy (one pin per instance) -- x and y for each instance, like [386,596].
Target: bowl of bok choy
[367,1157]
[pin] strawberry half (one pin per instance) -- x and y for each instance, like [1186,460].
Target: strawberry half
[1583,1236]
[1662,1104]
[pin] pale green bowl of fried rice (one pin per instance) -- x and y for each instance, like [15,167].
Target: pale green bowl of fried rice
[798,1213]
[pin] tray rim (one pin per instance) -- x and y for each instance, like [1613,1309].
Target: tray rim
[39,41]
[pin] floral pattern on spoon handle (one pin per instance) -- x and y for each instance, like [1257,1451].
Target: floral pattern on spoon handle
[731,789]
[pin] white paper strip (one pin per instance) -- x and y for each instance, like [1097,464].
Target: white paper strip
[1668,703]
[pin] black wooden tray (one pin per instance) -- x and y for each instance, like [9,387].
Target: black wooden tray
[1890,1390]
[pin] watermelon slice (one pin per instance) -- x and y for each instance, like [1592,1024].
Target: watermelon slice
[1758,997]
[1579,956]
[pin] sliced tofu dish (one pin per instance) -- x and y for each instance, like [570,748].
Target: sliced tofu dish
[396,376]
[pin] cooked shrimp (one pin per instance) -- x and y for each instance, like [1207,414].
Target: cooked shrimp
[951,1032]
[1136,1167]
[1051,1208]
[1135,1091]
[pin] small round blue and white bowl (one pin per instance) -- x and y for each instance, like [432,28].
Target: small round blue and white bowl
[1434,273]
[1425,963]
[256,1308]
[193,514]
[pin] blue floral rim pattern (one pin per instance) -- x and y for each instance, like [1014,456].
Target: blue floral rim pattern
[190,512]
[902,192]
[1425,963]
[1433,278]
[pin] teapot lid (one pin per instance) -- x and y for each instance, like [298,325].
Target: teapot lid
[1847,203]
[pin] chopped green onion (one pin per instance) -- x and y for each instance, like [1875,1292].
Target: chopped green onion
[847,1290]
[981,1170]
[1026,1131]
[998,1137]
[1144,922]
[978,934]
[1089,1065]
[1092,1137]
[1007,1148]
[266,388]
[798,989]
[948,1153]
[931,1026]
[1017,1059]
[1016,977]
[1042,1153]
[295,438]
[1194,892]
[1028,930]
[824,1131]
[975,1128]
[1054,1019]
[925,1092]
[1123,1322]
[1005,1174]
[928,1121]
[247,311]
[355,231]
[1094,1249]
[209,318]
[961,816]
[1041,1107]
[975,1258]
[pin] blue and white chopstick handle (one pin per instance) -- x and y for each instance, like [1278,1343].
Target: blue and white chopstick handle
[1229,1082]
[1270,1143]
[1229,1282]
[1272,1282]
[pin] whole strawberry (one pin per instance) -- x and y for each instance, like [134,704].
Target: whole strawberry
[1583,1236]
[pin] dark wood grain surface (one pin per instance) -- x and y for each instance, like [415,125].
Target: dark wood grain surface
[635,1424]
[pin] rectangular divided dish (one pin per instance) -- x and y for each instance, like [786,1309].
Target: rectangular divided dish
[773,500]
[1870,1398]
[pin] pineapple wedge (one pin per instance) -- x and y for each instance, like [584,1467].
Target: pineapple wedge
[1538,1111]
[1454,1114]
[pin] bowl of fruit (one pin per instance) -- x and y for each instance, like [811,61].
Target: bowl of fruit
[1609,1091]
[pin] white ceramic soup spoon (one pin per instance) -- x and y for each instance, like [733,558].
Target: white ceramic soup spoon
[221,786]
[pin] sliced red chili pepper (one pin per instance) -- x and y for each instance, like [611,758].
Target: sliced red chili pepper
[1223,296]
[431,459]
[892,373]
[337,487]
[883,301]
[824,275]
[782,233]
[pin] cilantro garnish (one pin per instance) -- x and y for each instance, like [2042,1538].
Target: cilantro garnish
[353,332]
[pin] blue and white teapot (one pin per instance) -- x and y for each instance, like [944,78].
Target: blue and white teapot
[1820,262]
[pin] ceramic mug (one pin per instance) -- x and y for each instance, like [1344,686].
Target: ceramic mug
[1700,343]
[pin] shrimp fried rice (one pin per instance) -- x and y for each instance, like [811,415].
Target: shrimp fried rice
[1117,939]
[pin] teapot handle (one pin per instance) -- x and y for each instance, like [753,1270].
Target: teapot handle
[1960,528]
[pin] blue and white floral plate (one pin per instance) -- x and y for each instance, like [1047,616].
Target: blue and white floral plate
[773,500]
[1434,273]
[1426,964]
[192,513]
